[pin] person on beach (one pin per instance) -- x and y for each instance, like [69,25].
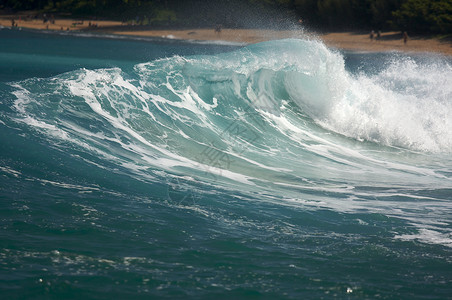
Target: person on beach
[371,36]
[218,29]
[405,37]
[378,35]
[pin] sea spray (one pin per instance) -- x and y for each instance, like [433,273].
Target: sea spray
[405,105]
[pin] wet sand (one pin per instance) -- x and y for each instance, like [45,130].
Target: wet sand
[389,41]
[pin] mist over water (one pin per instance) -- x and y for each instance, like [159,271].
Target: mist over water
[280,168]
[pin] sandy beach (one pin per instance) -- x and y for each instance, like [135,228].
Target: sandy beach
[389,41]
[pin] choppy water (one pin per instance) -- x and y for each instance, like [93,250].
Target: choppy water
[285,169]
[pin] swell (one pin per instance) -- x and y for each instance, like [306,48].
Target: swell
[236,114]
[278,119]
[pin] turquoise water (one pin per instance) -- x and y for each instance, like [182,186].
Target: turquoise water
[281,170]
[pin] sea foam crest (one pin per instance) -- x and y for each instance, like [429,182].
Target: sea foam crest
[407,104]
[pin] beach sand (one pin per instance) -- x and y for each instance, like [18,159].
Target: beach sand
[389,41]
[59,24]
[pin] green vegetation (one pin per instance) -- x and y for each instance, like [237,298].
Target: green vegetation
[419,15]
[424,16]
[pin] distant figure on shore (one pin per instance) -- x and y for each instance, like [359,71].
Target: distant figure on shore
[218,28]
[378,35]
[371,36]
[300,24]
[405,37]
[13,22]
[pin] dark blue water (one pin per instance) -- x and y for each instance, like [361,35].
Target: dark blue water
[27,54]
[162,169]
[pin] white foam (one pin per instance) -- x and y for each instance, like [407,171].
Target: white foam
[406,105]
[10,171]
[428,236]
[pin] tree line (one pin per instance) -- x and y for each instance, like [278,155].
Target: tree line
[423,16]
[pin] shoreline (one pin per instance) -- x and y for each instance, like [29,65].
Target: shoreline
[352,41]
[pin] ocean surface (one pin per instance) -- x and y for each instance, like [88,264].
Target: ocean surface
[143,169]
